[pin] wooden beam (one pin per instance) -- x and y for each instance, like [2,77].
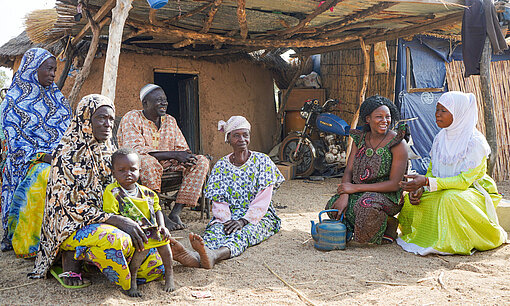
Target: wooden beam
[209,38]
[436,23]
[210,17]
[488,105]
[187,53]
[119,15]
[191,13]
[352,18]
[368,23]
[101,13]
[306,21]
[241,17]
[366,73]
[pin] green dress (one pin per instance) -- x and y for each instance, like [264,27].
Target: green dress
[453,219]
[367,212]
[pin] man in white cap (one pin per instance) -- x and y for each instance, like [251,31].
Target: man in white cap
[156,137]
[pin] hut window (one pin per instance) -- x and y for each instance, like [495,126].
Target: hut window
[410,80]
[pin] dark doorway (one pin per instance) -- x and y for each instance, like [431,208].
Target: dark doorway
[182,95]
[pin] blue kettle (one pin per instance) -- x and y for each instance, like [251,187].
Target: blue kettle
[328,234]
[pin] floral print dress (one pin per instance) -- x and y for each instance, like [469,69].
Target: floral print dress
[238,187]
[367,212]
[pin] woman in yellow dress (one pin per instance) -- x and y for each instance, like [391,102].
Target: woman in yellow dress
[451,210]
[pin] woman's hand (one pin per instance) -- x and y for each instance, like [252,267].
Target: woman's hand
[414,196]
[131,228]
[417,182]
[340,204]
[164,232]
[234,225]
[347,188]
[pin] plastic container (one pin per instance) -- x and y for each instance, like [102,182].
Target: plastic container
[156,4]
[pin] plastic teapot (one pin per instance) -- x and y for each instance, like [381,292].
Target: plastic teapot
[328,234]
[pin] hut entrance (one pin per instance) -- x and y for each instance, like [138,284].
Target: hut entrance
[182,94]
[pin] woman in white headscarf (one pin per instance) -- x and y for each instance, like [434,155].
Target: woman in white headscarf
[240,187]
[451,210]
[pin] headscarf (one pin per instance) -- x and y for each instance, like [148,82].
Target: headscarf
[34,118]
[234,123]
[147,89]
[460,146]
[80,172]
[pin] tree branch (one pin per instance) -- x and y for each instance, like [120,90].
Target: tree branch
[241,17]
[210,17]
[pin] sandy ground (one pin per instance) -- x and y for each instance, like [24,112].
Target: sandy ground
[352,276]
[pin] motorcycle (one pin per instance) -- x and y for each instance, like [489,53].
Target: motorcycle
[322,154]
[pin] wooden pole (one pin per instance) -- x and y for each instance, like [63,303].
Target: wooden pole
[119,15]
[366,73]
[70,53]
[488,104]
[279,115]
[91,53]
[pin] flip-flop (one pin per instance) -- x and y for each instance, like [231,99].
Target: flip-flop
[57,271]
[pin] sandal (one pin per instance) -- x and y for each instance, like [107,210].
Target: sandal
[5,245]
[59,275]
[387,239]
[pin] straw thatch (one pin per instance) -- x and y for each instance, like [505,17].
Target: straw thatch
[19,45]
[500,90]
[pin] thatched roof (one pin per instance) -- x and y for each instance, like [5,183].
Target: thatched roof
[221,27]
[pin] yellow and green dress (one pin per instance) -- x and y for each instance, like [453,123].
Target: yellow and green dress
[456,217]
[141,210]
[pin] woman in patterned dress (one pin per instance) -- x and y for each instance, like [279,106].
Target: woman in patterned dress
[240,187]
[35,116]
[369,194]
[74,225]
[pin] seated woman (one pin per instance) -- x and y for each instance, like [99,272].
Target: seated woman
[35,116]
[241,185]
[74,225]
[369,194]
[451,210]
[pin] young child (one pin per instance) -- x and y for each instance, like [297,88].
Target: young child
[127,198]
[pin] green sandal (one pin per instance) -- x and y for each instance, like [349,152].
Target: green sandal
[59,274]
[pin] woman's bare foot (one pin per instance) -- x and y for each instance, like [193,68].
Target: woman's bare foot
[208,258]
[69,264]
[184,256]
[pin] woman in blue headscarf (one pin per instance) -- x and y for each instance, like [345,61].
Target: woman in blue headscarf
[34,117]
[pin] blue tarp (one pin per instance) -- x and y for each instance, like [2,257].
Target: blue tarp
[424,129]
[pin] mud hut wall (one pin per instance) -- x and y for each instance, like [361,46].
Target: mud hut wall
[342,74]
[225,89]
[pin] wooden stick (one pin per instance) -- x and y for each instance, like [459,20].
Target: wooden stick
[210,17]
[342,293]
[440,280]
[363,91]
[386,283]
[101,13]
[306,21]
[241,17]
[421,280]
[488,105]
[209,38]
[355,17]
[18,286]
[191,13]
[436,23]
[301,295]
[89,58]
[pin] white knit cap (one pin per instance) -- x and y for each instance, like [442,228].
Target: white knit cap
[147,89]
[234,123]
